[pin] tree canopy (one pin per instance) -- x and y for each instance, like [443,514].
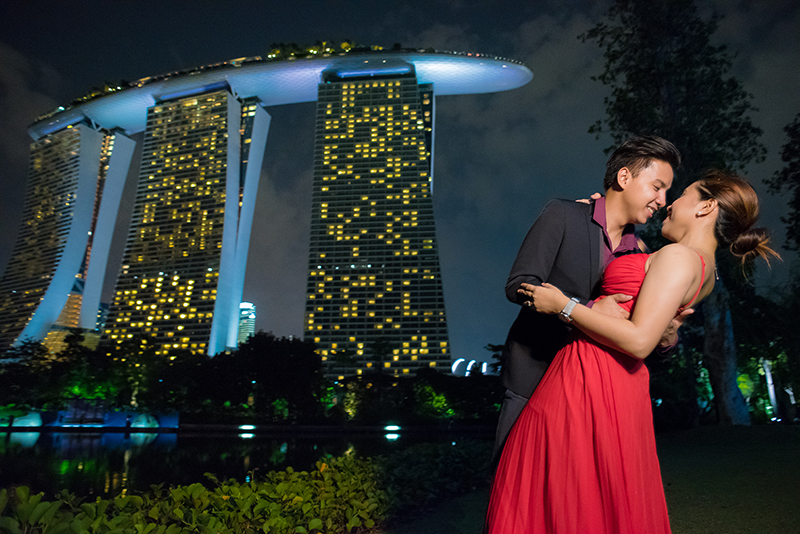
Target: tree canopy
[667,79]
[787,180]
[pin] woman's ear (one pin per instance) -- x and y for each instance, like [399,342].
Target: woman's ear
[707,207]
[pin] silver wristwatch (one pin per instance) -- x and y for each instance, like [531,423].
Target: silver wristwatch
[565,314]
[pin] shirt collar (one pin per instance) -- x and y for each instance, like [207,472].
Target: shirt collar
[629,240]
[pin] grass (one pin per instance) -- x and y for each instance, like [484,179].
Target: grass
[718,480]
[734,480]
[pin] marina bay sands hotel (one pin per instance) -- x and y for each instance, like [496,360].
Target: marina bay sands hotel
[373,272]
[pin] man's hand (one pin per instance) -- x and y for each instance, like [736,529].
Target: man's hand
[670,336]
[594,196]
[611,306]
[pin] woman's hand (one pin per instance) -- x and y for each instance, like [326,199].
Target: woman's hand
[546,298]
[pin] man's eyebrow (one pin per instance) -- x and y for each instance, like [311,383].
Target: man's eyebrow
[660,183]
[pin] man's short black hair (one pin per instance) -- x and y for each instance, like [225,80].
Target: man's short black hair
[637,153]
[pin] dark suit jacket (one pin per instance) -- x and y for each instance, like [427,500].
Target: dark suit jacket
[563,247]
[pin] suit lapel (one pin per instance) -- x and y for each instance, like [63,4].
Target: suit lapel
[595,263]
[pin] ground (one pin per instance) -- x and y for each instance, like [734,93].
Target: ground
[718,480]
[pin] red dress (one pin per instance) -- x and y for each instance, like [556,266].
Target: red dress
[581,458]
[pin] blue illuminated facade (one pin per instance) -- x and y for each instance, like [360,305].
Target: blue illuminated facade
[65,232]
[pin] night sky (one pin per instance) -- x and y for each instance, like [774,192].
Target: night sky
[498,158]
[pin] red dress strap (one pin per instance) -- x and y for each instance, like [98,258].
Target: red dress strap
[702,277]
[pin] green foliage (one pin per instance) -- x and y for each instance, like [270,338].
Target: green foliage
[267,380]
[787,181]
[667,79]
[9,411]
[430,403]
[497,356]
[340,496]
[270,369]
[426,397]
[280,409]
[282,375]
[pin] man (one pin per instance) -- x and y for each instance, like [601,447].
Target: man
[569,246]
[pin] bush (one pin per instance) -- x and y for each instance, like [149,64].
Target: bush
[339,496]
[342,495]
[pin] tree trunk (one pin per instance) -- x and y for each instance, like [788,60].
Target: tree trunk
[719,355]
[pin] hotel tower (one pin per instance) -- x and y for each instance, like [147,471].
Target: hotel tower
[182,272]
[55,275]
[374,300]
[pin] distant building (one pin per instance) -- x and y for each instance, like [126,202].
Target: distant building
[247,321]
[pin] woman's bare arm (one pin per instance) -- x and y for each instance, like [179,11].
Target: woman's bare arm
[673,276]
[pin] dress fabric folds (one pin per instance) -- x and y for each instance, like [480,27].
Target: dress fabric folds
[581,458]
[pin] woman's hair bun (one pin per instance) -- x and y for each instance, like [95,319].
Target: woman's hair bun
[737,205]
[752,243]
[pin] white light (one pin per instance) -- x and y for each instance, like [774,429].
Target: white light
[456,364]
[470,365]
[247,427]
[392,437]
[246,436]
[391,428]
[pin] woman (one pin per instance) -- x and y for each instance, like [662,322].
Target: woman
[582,457]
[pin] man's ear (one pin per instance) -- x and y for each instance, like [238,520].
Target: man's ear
[624,177]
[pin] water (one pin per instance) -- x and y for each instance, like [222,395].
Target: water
[107,464]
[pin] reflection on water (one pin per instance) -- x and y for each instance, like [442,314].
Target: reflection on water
[111,463]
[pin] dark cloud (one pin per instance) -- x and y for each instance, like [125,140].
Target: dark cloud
[25,86]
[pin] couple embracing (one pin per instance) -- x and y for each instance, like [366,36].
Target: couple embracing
[576,427]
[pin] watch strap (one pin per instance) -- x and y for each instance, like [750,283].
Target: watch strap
[566,314]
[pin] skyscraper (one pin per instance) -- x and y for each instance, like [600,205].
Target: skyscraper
[183,268]
[374,300]
[65,231]
[247,321]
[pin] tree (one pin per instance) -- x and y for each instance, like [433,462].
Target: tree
[23,374]
[87,375]
[381,349]
[283,374]
[787,180]
[667,79]
[497,356]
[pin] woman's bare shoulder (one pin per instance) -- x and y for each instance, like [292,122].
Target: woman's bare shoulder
[675,257]
[674,251]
